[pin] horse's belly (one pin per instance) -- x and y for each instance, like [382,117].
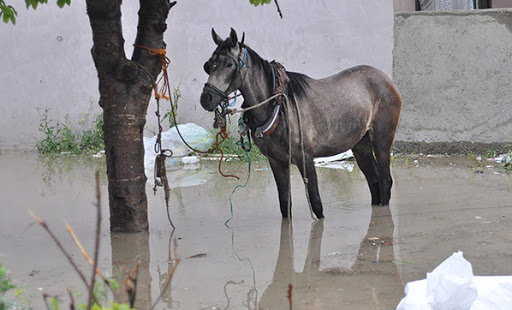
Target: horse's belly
[339,135]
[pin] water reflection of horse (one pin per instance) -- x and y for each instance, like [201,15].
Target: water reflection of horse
[372,283]
[356,109]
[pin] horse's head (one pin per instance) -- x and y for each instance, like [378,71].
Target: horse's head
[223,69]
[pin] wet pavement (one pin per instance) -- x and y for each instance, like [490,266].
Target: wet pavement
[358,257]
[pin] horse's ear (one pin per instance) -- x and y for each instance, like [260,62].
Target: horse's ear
[233,37]
[243,38]
[216,38]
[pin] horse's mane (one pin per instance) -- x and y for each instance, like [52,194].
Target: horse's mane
[298,81]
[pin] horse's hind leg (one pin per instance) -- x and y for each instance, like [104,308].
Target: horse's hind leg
[383,133]
[382,147]
[363,152]
[281,173]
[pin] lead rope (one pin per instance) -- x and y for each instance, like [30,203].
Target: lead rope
[246,146]
[305,176]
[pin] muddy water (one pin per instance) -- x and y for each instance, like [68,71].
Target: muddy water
[359,257]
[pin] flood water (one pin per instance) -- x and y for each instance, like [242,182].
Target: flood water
[358,257]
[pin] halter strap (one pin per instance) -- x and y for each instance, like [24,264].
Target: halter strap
[240,64]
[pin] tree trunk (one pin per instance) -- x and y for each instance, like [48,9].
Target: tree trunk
[125,90]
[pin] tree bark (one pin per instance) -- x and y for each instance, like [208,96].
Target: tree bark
[125,90]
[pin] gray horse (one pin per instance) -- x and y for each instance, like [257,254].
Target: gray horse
[358,109]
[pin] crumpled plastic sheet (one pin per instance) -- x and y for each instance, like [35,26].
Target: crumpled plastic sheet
[503,158]
[339,161]
[195,135]
[452,286]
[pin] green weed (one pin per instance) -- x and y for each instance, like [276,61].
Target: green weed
[65,138]
[490,154]
[168,115]
[508,167]
[6,285]
[408,160]
[232,146]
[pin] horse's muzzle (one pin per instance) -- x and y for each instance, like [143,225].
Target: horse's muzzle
[211,97]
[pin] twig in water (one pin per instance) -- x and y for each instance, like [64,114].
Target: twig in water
[96,241]
[131,285]
[91,262]
[72,300]
[171,274]
[290,289]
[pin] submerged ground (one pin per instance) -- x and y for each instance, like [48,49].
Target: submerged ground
[358,257]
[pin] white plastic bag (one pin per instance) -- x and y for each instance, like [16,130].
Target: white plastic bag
[450,286]
[195,135]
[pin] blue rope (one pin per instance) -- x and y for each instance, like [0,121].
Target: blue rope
[240,143]
[234,101]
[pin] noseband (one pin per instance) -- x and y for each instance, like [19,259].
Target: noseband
[224,94]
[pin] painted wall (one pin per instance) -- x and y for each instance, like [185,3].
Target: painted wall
[410,5]
[501,4]
[453,70]
[404,5]
[47,62]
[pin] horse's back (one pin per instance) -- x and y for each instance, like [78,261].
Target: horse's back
[347,104]
[362,86]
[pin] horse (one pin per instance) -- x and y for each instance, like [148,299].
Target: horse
[357,108]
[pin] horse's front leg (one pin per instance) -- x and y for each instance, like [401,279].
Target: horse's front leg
[281,173]
[310,179]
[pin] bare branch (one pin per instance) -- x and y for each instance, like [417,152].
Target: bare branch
[72,302]
[66,254]
[278,9]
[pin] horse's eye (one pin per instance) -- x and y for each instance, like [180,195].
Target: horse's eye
[229,65]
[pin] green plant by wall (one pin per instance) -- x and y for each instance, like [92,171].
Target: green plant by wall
[65,138]
[168,114]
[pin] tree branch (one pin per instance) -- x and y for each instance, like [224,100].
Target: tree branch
[278,9]
[107,34]
[150,34]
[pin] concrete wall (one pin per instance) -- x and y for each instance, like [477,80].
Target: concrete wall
[454,70]
[47,62]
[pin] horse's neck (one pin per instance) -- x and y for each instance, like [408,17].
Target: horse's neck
[255,89]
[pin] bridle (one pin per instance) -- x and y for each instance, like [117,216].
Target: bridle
[224,95]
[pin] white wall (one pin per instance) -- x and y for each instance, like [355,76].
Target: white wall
[318,38]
